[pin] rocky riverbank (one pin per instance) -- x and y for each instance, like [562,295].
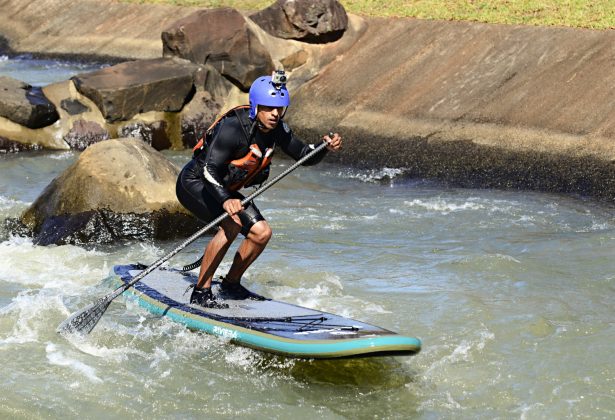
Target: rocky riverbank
[206,63]
[209,60]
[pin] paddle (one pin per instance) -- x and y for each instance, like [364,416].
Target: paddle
[85,320]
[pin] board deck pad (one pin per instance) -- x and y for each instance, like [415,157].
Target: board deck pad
[267,325]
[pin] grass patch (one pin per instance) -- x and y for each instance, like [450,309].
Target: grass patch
[597,14]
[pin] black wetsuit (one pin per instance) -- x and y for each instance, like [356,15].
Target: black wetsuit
[203,184]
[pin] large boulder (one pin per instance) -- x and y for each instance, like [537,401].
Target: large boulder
[117,189]
[223,39]
[130,88]
[24,104]
[317,21]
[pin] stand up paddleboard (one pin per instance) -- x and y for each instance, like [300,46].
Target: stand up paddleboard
[269,325]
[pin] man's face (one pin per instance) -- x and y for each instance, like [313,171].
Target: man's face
[269,116]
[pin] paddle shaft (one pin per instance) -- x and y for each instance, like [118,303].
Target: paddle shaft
[85,320]
[223,216]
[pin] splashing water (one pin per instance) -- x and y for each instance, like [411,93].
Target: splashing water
[509,291]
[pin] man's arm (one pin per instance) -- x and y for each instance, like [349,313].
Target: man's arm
[296,149]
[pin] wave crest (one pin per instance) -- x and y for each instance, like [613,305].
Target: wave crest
[374,175]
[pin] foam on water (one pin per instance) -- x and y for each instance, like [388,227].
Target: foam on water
[7,204]
[443,206]
[91,346]
[373,175]
[55,281]
[439,378]
[165,347]
[28,313]
[463,351]
[57,357]
[49,267]
[67,155]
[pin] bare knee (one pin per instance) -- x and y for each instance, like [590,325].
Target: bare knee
[260,233]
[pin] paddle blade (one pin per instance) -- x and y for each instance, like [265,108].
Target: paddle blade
[84,321]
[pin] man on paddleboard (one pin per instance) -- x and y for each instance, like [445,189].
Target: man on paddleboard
[235,153]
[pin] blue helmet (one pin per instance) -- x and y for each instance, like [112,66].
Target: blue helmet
[264,92]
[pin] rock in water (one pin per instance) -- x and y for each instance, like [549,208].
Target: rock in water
[127,89]
[25,105]
[117,189]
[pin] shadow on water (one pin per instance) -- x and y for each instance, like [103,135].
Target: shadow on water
[369,373]
[385,387]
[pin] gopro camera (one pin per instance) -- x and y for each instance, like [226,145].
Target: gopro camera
[278,78]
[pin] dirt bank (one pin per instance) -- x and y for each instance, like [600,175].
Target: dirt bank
[476,104]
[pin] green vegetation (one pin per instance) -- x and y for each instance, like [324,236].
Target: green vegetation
[597,14]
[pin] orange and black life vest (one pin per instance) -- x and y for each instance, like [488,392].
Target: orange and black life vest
[200,145]
[249,166]
[243,172]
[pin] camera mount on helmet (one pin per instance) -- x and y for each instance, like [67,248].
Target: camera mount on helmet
[278,79]
[269,91]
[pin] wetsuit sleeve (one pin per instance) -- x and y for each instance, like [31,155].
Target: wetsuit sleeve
[215,165]
[295,148]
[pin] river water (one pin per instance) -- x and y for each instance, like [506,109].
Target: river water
[511,292]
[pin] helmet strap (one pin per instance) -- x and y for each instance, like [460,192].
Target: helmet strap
[253,129]
[257,122]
